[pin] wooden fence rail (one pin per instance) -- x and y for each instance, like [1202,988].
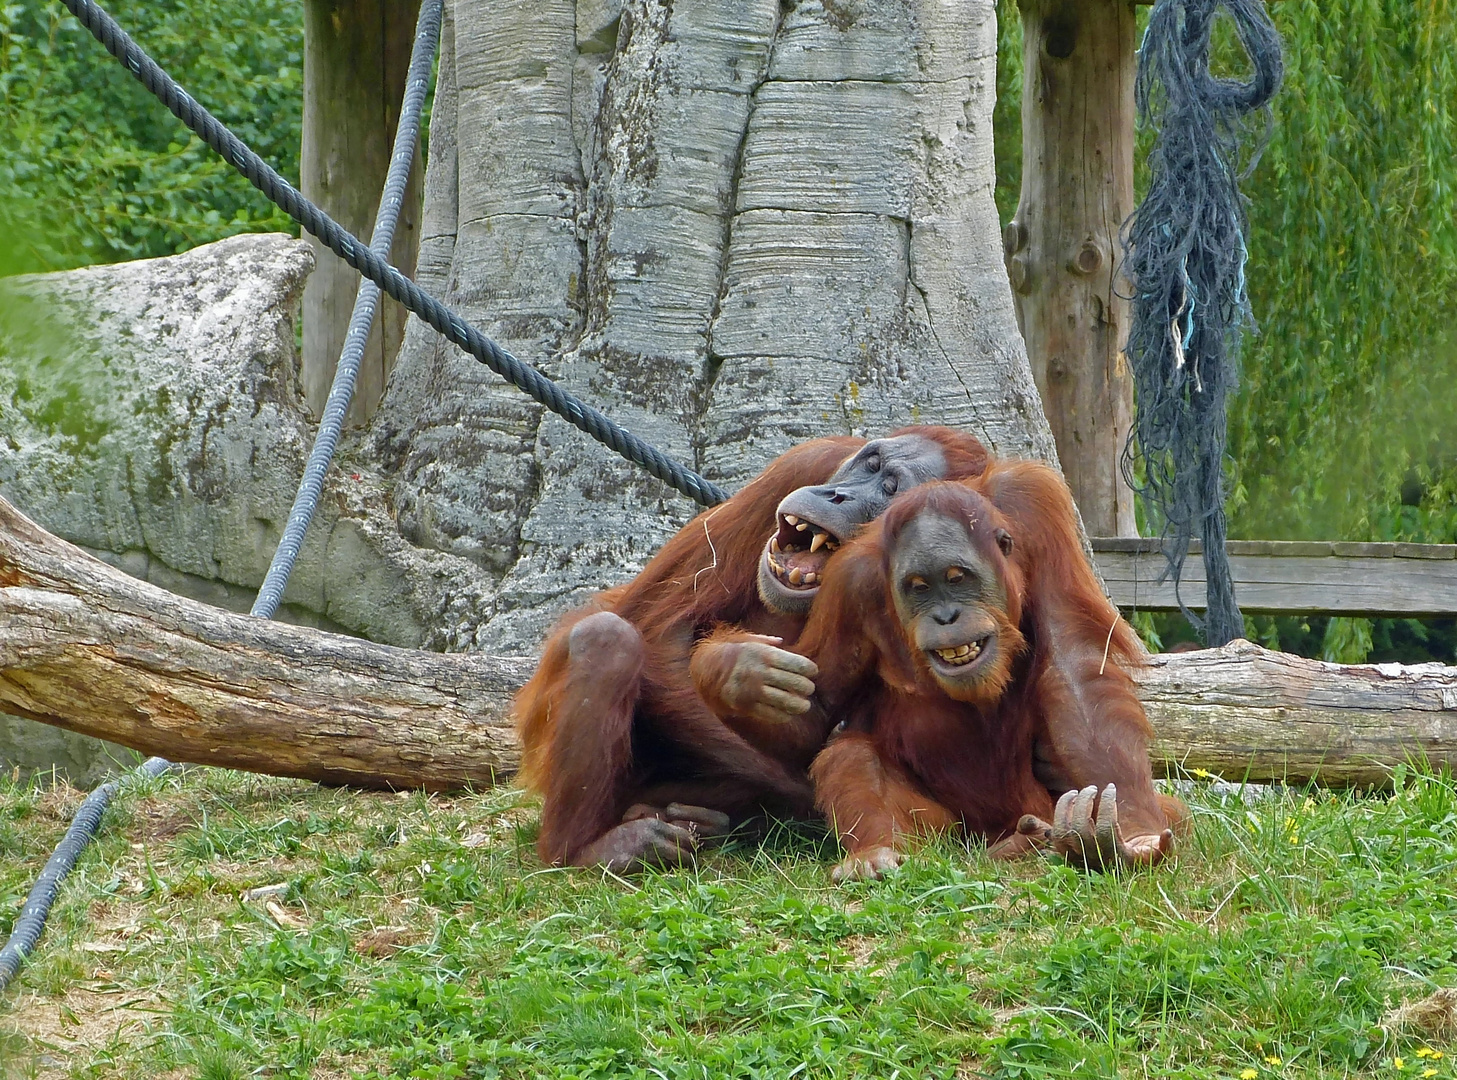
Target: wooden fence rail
[1292,577]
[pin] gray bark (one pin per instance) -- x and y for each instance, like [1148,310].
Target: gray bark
[732,224]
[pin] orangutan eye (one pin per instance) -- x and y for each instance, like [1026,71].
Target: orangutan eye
[889,485]
[873,463]
[955,574]
[916,584]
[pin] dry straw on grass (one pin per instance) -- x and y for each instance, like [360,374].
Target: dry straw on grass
[1434,1016]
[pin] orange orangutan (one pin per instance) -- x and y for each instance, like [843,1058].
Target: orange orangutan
[621,724]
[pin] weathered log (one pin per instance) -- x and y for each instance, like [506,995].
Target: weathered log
[84,647]
[1243,712]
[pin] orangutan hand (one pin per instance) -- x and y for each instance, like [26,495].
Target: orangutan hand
[1092,840]
[754,678]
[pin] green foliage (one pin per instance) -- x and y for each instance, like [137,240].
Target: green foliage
[1343,423]
[94,169]
[1349,390]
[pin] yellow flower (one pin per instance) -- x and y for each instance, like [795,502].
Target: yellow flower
[1425,1051]
[1248,1074]
[1429,1072]
[1272,1060]
[1436,1055]
[1399,1063]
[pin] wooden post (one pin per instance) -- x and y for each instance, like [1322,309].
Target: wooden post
[356,57]
[1062,246]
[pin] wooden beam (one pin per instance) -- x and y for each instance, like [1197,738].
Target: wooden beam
[356,58]
[1062,247]
[1293,578]
[84,647]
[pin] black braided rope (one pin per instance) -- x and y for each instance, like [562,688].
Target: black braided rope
[375,267]
[1186,262]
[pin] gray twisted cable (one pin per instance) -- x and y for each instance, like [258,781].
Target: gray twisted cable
[341,392]
[375,267]
[32,920]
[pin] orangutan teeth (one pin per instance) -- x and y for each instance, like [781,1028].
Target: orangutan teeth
[961,654]
[796,576]
[791,519]
[802,526]
[810,577]
[818,541]
[774,544]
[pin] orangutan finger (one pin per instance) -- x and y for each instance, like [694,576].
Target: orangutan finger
[868,865]
[709,822]
[1081,812]
[640,843]
[788,680]
[1148,850]
[1032,825]
[784,702]
[1061,815]
[1105,832]
[668,845]
[785,660]
[1016,846]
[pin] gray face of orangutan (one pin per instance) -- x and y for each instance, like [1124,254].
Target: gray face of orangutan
[813,521]
[951,600]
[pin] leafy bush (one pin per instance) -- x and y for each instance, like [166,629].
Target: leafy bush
[94,169]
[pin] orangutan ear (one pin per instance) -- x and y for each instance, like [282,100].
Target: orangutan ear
[1004,541]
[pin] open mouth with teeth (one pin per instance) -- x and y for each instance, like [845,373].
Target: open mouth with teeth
[798,551]
[960,656]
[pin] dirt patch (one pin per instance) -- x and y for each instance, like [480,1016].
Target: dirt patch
[386,941]
[860,948]
[59,802]
[1433,1017]
[159,819]
[79,1023]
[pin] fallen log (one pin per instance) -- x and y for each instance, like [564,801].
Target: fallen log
[84,647]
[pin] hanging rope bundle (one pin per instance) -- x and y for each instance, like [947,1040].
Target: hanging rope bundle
[1186,261]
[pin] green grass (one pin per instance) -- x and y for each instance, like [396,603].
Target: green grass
[418,937]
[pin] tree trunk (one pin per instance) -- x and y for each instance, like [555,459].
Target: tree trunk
[1062,247]
[356,57]
[734,225]
[85,647]
[1243,712]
